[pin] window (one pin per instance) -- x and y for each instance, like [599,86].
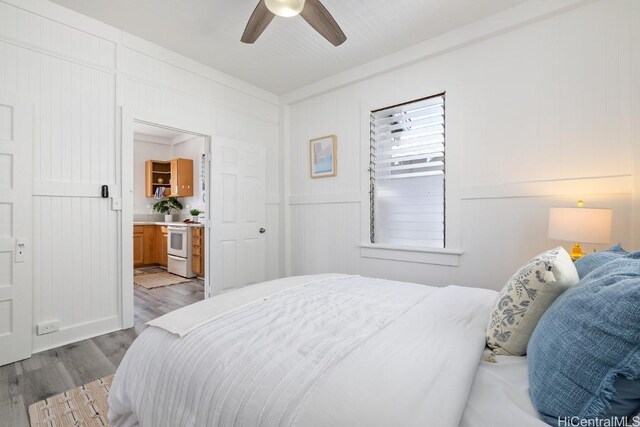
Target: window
[407,169]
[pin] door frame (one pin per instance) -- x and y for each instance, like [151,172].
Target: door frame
[128,118]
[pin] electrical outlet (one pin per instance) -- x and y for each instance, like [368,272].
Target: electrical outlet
[48,327]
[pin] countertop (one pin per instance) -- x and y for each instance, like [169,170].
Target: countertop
[190,224]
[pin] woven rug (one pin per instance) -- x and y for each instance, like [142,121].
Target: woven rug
[157,280]
[82,406]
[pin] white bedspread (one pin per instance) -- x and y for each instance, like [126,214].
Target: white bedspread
[500,396]
[328,351]
[181,322]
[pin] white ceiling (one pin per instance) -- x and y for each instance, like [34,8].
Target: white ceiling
[289,54]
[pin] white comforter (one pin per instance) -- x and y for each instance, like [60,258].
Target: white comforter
[339,351]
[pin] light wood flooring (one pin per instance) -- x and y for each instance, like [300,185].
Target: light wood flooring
[54,371]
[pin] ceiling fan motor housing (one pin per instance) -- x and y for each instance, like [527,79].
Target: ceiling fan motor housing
[286,8]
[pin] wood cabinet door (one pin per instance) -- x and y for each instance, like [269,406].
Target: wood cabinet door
[195,264]
[162,246]
[195,250]
[148,178]
[150,243]
[174,178]
[138,249]
[182,177]
[185,177]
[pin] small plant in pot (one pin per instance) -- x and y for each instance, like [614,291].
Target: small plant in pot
[195,213]
[165,206]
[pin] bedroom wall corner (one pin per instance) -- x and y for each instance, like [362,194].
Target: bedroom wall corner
[285,185]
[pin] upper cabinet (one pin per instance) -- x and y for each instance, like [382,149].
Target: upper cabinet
[176,176]
[182,177]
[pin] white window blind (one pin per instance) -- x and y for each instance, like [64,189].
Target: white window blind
[407,166]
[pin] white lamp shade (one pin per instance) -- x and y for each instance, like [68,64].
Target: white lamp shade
[580,225]
[285,8]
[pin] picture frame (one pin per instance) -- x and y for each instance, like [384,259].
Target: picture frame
[323,157]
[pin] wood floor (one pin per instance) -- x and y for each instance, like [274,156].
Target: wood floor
[54,371]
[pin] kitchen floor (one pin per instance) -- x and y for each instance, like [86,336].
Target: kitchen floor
[60,369]
[143,271]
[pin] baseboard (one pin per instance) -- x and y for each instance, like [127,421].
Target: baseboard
[76,333]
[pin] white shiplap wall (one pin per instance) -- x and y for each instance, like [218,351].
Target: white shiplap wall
[531,114]
[78,72]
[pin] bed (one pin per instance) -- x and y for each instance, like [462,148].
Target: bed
[322,350]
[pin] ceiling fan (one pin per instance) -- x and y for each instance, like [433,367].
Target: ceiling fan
[311,11]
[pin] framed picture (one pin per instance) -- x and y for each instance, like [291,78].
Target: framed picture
[323,156]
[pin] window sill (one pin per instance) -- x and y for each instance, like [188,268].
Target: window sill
[438,256]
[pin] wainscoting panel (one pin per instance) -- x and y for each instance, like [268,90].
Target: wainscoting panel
[75,263]
[326,238]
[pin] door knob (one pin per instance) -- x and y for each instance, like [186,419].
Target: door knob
[262,230]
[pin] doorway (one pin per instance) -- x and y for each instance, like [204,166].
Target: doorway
[165,225]
[169,217]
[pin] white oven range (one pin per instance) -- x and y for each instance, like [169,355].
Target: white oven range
[179,250]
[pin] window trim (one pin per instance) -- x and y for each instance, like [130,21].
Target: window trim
[451,253]
[438,256]
[373,170]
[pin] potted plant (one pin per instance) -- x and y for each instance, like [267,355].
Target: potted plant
[195,213]
[165,206]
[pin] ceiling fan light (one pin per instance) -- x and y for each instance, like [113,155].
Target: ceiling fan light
[286,8]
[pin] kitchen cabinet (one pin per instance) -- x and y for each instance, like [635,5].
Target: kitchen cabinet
[157,174]
[138,245]
[150,244]
[146,249]
[176,176]
[162,245]
[150,247]
[182,177]
[197,251]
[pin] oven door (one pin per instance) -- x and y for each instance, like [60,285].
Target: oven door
[177,241]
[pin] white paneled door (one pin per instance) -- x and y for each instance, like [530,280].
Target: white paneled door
[238,215]
[15,228]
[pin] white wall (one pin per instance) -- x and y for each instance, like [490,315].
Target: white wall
[192,149]
[143,151]
[78,71]
[537,116]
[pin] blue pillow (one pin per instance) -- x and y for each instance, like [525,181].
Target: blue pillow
[587,339]
[593,260]
[626,401]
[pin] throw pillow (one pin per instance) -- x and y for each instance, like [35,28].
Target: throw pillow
[525,298]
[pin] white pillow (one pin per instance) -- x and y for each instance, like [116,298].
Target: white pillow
[525,298]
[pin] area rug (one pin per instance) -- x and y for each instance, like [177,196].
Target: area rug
[157,280]
[82,406]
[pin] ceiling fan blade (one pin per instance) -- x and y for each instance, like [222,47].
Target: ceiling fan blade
[259,21]
[321,20]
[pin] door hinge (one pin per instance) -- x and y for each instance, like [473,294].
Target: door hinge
[207,157]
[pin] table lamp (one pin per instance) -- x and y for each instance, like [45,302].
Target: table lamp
[580,225]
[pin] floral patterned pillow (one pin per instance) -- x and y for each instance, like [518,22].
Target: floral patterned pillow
[525,298]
